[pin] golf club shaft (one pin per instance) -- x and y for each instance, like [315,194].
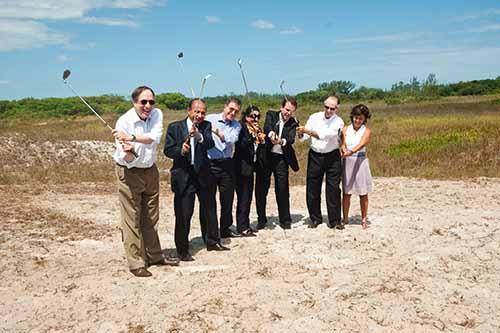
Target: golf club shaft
[245,83]
[185,79]
[87,104]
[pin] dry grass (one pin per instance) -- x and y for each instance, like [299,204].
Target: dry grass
[445,139]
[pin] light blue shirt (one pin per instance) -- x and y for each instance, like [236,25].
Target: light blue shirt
[231,130]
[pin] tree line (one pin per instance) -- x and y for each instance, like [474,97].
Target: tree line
[400,92]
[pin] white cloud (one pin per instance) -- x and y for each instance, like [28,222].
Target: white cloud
[109,21]
[212,19]
[262,24]
[65,9]
[62,58]
[3,82]
[382,38]
[16,34]
[20,26]
[478,15]
[291,31]
[485,28]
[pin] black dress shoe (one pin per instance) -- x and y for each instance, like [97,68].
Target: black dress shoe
[286,225]
[261,225]
[339,226]
[314,224]
[167,261]
[217,247]
[230,234]
[141,272]
[248,233]
[185,256]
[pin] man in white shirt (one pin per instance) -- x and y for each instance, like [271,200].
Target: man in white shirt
[138,133]
[324,129]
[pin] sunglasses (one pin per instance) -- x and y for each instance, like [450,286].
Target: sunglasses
[146,101]
[329,108]
[254,116]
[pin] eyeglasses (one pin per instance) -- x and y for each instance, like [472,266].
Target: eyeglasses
[146,101]
[254,116]
[330,108]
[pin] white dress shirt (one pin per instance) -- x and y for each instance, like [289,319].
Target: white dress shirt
[152,127]
[329,132]
[277,148]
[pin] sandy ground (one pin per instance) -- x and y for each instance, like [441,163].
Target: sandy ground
[430,261]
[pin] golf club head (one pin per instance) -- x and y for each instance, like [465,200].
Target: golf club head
[180,55]
[66,74]
[240,63]
[283,90]
[203,84]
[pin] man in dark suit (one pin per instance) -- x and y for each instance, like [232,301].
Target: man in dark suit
[187,142]
[279,128]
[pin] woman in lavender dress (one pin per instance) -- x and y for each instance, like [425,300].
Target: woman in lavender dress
[356,175]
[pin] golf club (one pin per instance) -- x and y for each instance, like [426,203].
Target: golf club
[283,90]
[203,84]
[240,63]
[65,76]
[180,55]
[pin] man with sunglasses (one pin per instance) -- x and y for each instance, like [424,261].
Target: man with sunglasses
[324,159]
[138,133]
[226,130]
[279,128]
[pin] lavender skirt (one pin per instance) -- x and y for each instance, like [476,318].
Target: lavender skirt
[356,175]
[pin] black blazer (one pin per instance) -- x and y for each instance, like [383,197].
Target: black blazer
[288,133]
[245,152]
[181,170]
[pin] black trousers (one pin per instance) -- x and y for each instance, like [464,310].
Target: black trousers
[184,207]
[319,165]
[223,172]
[244,193]
[277,166]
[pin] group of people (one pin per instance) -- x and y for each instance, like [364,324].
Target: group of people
[218,153]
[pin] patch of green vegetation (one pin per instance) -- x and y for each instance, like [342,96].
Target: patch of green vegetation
[434,142]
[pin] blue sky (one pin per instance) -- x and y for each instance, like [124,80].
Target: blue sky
[112,46]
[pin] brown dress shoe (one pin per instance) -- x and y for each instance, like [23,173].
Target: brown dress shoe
[141,272]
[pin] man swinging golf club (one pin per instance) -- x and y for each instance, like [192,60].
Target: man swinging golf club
[138,133]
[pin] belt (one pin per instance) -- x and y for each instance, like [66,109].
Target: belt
[123,166]
[324,154]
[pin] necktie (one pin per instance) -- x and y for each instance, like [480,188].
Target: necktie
[192,143]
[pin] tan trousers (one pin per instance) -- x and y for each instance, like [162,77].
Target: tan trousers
[138,191]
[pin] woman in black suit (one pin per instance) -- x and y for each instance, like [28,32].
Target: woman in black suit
[250,144]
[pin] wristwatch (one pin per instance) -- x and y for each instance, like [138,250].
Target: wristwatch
[133,138]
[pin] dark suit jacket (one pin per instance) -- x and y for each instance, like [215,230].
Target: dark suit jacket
[288,133]
[245,152]
[181,170]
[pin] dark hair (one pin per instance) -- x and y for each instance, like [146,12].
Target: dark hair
[233,100]
[137,91]
[191,102]
[290,99]
[359,110]
[247,112]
